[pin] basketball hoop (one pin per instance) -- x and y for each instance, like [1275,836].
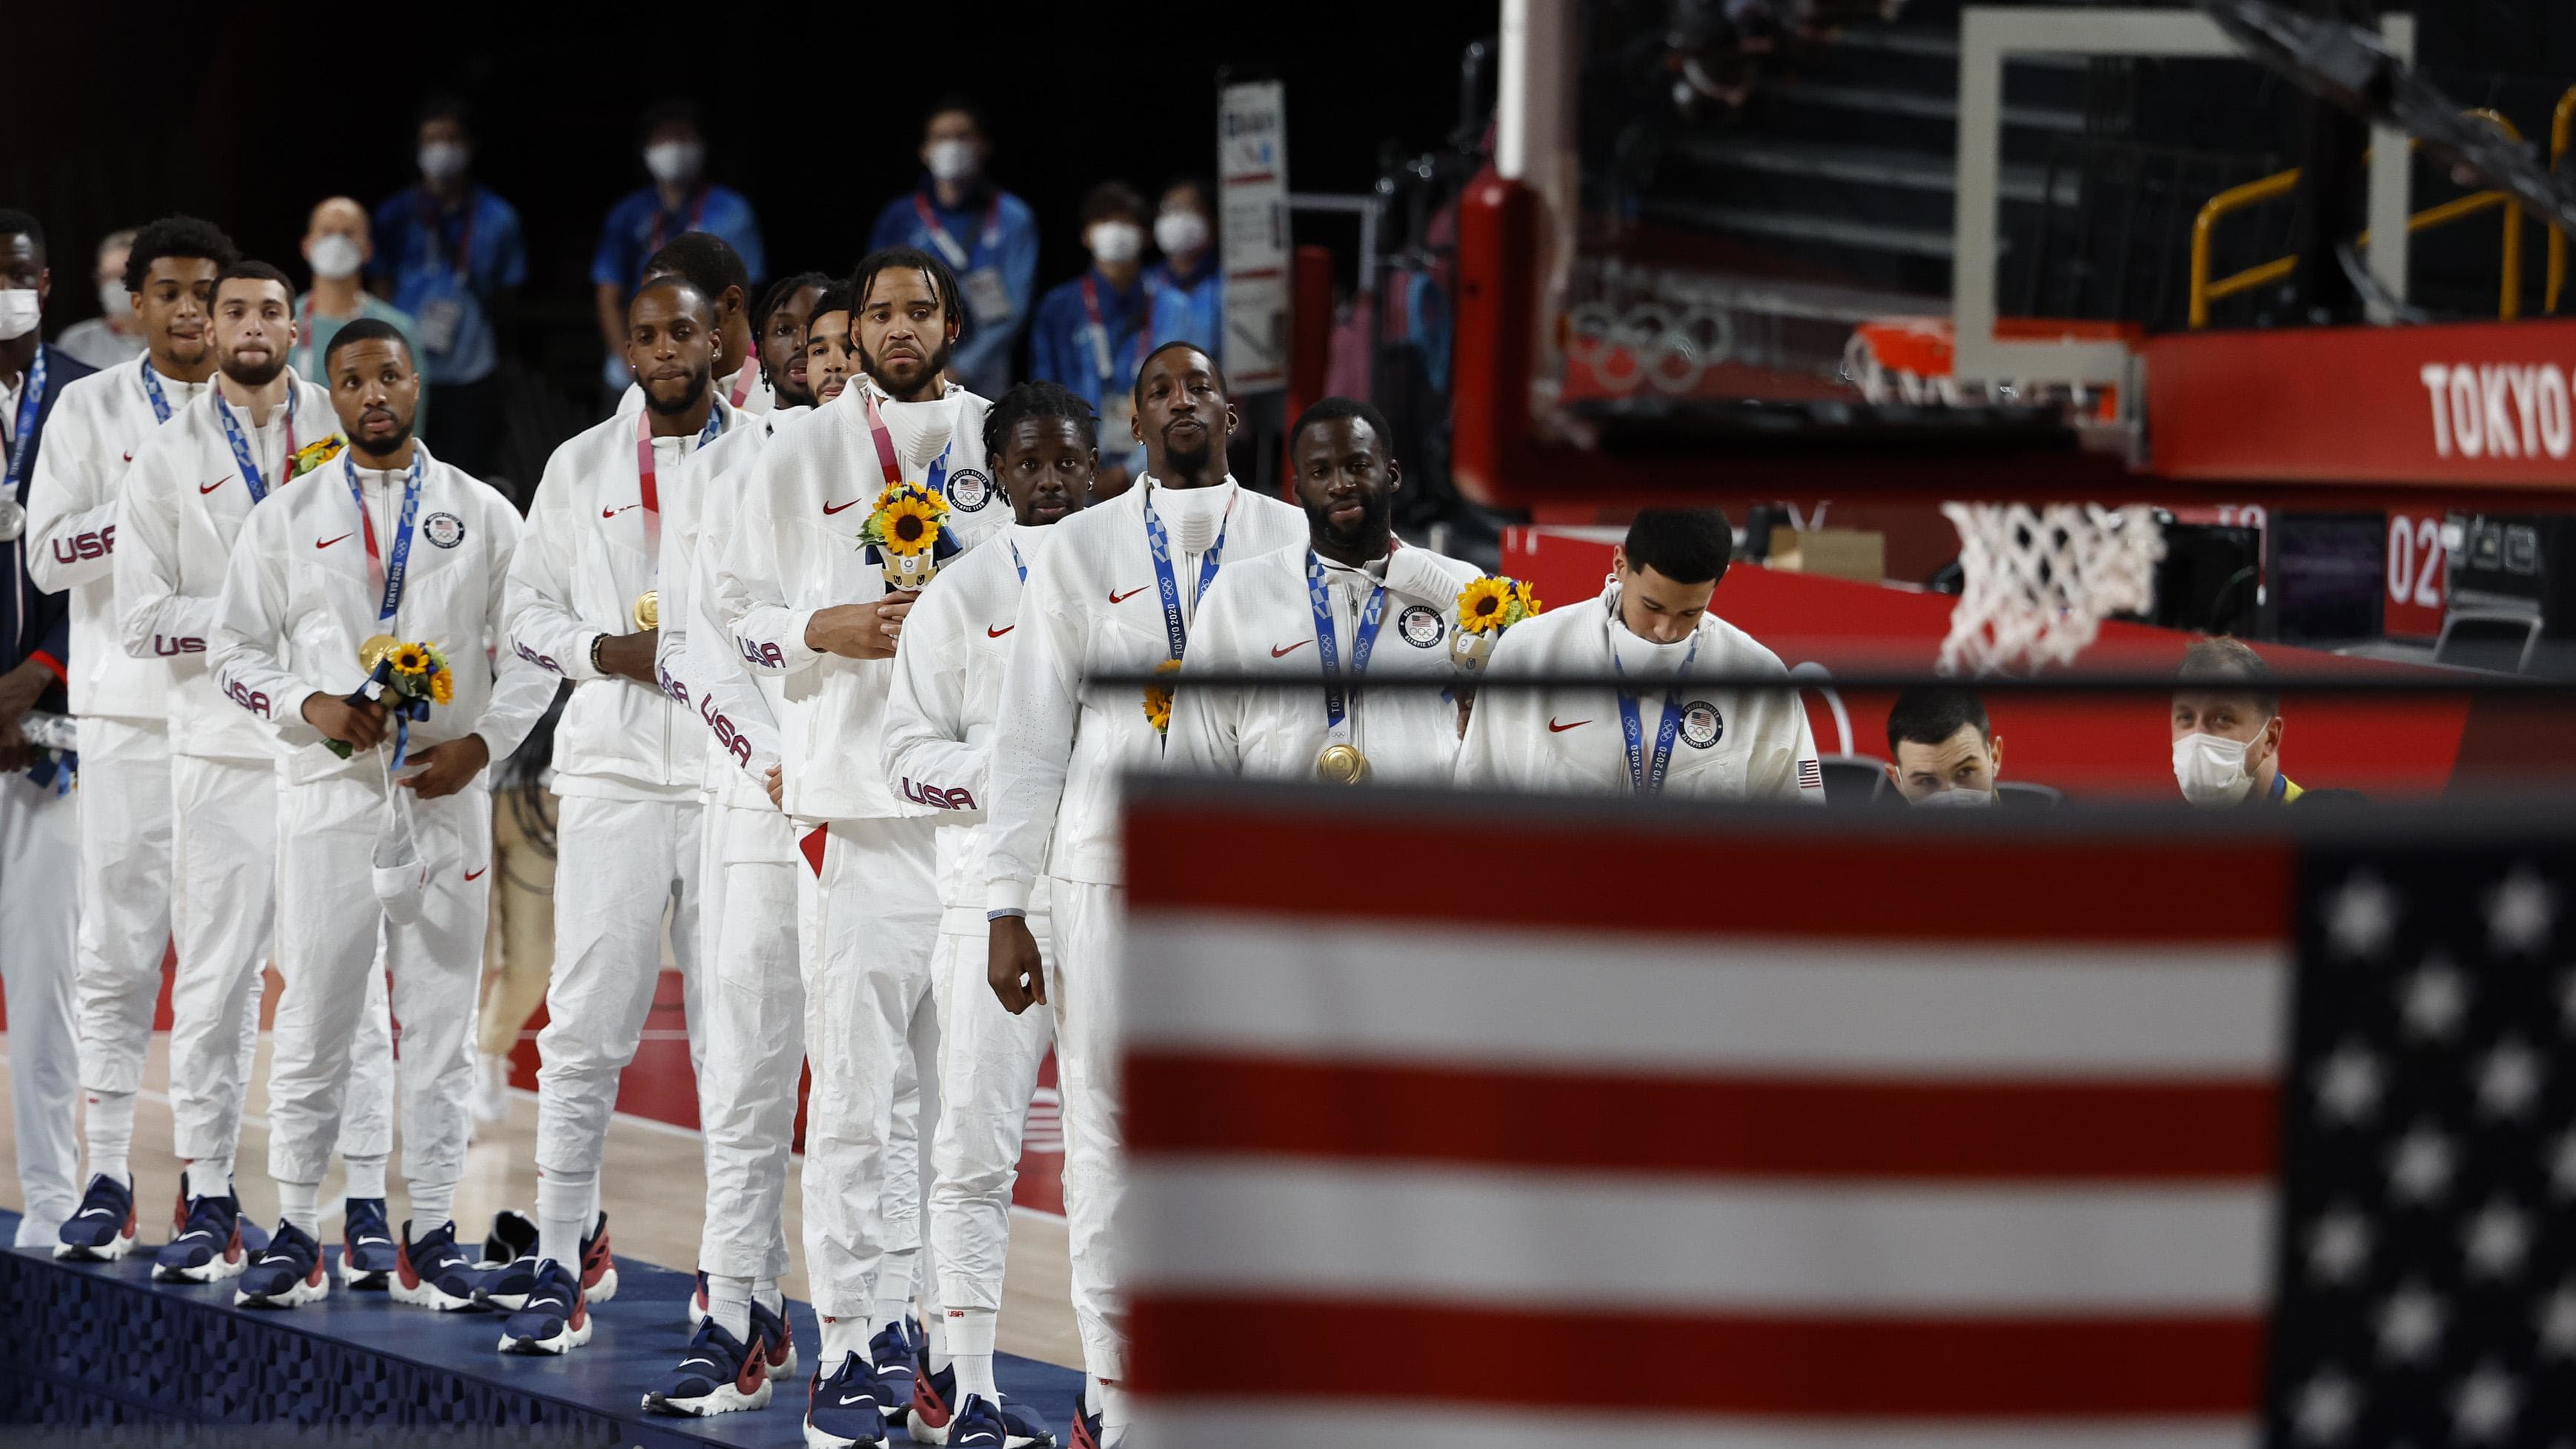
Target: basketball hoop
[2038,581]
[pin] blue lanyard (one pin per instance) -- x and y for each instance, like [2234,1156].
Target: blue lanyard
[1158,543]
[1328,649]
[937,483]
[29,402]
[1016,561]
[241,446]
[152,391]
[397,564]
[1645,779]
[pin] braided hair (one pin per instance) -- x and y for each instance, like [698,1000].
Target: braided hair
[1036,400]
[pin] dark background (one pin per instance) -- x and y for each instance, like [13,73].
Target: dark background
[247,114]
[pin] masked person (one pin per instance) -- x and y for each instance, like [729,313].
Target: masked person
[987,237]
[2227,741]
[942,723]
[584,605]
[1189,287]
[451,254]
[115,335]
[713,267]
[1945,752]
[337,247]
[1651,624]
[677,199]
[1115,593]
[122,702]
[818,621]
[1093,332]
[1354,605]
[39,834]
[396,837]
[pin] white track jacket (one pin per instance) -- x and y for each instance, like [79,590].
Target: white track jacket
[700,668]
[300,597]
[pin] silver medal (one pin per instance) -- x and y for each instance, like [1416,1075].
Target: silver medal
[13,520]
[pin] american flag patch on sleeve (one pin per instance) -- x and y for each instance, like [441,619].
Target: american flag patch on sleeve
[1811,775]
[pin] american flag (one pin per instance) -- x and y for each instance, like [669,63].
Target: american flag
[1484,1124]
[1811,775]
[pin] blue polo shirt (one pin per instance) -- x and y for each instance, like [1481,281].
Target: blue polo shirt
[994,233]
[1190,309]
[637,227]
[447,267]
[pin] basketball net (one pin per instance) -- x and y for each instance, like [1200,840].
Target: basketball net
[2038,581]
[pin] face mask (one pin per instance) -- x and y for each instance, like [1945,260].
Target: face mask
[335,257]
[2211,770]
[951,160]
[1179,232]
[1955,800]
[673,162]
[18,309]
[114,301]
[1115,242]
[440,160]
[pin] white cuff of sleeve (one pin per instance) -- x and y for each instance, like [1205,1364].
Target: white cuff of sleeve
[1007,896]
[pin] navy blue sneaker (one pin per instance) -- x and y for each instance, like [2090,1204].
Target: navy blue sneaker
[553,1318]
[513,1236]
[721,1375]
[432,1271]
[287,1275]
[938,1417]
[368,1252]
[1086,1422]
[777,1339]
[982,1423]
[208,1248]
[506,1290]
[842,1412]
[900,1350]
[103,1230]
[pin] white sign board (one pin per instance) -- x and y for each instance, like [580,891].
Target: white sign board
[1252,177]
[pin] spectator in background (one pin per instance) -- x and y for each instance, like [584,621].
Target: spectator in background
[337,246]
[680,199]
[113,336]
[1945,751]
[2227,740]
[1190,295]
[1093,333]
[451,255]
[988,237]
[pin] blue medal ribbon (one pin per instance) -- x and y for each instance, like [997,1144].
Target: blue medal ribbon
[397,564]
[1328,649]
[30,401]
[1176,631]
[251,480]
[152,391]
[1016,561]
[1646,778]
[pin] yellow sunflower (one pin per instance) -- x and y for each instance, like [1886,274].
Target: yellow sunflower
[1485,605]
[907,526]
[1158,698]
[1527,598]
[442,688]
[411,659]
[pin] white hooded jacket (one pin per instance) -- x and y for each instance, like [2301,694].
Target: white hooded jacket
[699,666]
[1259,619]
[183,504]
[98,426]
[292,613]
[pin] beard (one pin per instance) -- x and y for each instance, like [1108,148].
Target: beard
[938,364]
[1179,462]
[380,447]
[1376,518]
[699,382]
[792,394]
[254,374]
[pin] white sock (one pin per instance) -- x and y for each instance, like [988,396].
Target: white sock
[563,1214]
[300,1203]
[1114,1411]
[841,1338]
[764,1291]
[936,1330]
[209,1176]
[894,1276]
[111,1135]
[729,1303]
[971,1332]
[366,1176]
[1092,1392]
[432,1203]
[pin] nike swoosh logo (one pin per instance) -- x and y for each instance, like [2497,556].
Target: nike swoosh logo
[1557,729]
[203,488]
[849,1399]
[992,633]
[1116,597]
[1282,651]
[613,512]
[831,508]
[326,543]
[476,874]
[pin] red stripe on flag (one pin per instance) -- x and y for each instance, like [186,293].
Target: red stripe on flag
[1582,875]
[1647,1362]
[1732,1126]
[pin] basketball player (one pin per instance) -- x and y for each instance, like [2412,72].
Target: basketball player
[829,361]
[122,702]
[778,336]
[627,767]
[940,723]
[1113,594]
[300,599]
[1650,624]
[1352,604]
[184,503]
[809,611]
[713,267]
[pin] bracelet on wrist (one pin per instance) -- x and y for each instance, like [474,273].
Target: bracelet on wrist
[595,641]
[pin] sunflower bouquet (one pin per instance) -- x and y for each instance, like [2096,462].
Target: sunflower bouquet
[907,535]
[314,455]
[1486,608]
[1158,699]
[407,679]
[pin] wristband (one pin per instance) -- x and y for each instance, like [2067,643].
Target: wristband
[1001,911]
[595,641]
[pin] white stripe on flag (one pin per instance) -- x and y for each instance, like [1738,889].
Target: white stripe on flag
[1260,1424]
[1592,1241]
[1341,990]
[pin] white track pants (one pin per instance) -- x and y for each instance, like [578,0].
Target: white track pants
[755,1038]
[1084,990]
[39,962]
[331,1035]
[226,862]
[126,895]
[869,1019]
[619,865]
[988,1073]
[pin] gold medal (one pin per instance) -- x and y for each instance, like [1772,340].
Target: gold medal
[1342,765]
[648,610]
[373,652]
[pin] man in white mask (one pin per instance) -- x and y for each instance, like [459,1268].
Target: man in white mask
[1944,750]
[2227,742]
[115,335]
[1093,332]
[677,199]
[987,237]
[338,246]
[1664,732]
[1190,290]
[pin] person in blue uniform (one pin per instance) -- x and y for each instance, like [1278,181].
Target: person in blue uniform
[449,252]
[1093,332]
[679,199]
[987,236]
[1189,290]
